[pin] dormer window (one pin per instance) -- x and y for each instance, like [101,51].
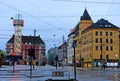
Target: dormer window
[106,25]
[109,25]
[29,43]
[100,25]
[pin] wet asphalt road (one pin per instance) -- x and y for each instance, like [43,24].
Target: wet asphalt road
[41,73]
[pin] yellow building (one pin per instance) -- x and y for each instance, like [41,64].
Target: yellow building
[96,42]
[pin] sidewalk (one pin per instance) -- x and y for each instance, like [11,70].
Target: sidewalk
[96,68]
[20,71]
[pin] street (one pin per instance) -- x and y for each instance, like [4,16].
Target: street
[41,73]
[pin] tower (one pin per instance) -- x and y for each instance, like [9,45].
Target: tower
[85,21]
[18,24]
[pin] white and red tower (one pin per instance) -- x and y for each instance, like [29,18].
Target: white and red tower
[18,24]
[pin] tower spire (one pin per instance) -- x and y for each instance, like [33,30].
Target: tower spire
[85,15]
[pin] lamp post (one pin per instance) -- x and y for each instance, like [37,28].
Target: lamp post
[74,45]
[116,60]
[13,58]
[101,57]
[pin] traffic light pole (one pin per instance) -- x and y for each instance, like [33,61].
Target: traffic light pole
[13,64]
[30,66]
[34,44]
[56,59]
[74,45]
[31,56]
[56,64]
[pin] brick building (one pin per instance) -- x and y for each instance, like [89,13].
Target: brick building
[28,42]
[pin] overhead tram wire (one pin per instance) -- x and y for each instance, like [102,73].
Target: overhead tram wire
[109,8]
[44,12]
[63,16]
[95,2]
[27,14]
[6,35]
[4,38]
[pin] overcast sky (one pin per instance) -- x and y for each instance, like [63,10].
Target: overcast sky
[53,18]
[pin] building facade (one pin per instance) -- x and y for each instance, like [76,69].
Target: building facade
[70,49]
[62,52]
[52,53]
[96,43]
[28,42]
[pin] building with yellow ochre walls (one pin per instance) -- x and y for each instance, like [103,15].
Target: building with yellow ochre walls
[96,43]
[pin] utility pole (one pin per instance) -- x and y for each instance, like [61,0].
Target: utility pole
[34,44]
[63,48]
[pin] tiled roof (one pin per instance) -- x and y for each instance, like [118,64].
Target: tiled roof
[28,39]
[102,23]
[85,16]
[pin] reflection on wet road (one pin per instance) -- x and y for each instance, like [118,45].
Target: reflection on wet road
[22,73]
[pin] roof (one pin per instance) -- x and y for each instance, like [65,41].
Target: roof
[63,44]
[75,29]
[102,23]
[85,15]
[31,39]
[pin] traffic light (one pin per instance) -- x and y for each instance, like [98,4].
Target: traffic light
[31,52]
[56,58]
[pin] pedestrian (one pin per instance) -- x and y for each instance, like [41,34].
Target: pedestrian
[63,64]
[104,65]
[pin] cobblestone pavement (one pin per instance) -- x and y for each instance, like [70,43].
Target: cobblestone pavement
[41,73]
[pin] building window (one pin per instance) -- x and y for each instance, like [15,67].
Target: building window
[106,48]
[25,43]
[111,41]
[100,47]
[106,33]
[100,33]
[96,40]
[96,47]
[107,57]
[111,48]
[96,33]
[106,40]
[100,40]
[110,33]
[29,43]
